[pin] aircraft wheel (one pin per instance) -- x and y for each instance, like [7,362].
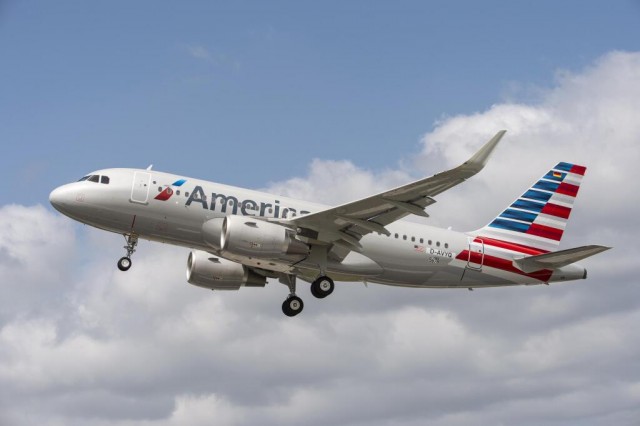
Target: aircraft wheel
[124,264]
[314,292]
[322,287]
[292,306]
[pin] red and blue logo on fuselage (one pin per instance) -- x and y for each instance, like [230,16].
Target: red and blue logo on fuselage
[166,193]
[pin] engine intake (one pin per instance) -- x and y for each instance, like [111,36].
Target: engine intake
[208,271]
[249,237]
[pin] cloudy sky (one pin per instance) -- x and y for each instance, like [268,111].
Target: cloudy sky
[326,102]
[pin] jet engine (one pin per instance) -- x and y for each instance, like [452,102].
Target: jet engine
[211,232]
[245,236]
[208,271]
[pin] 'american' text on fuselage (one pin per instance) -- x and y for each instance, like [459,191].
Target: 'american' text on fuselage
[245,207]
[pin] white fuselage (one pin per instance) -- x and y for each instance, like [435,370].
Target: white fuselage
[138,202]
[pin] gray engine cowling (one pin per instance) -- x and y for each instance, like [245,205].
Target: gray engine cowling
[212,232]
[208,271]
[244,236]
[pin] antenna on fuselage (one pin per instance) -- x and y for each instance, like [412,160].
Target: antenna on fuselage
[150,167]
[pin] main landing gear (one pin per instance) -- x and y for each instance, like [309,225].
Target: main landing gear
[322,287]
[125,262]
[293,305]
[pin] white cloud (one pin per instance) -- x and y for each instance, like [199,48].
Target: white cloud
[589,118]
[199,52]
[334,182]
[84,344]
[212,57]
[202,410]
[34,267]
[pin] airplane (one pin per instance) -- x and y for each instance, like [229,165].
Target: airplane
[241,237]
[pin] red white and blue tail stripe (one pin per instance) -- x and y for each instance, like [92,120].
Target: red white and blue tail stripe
[538,218]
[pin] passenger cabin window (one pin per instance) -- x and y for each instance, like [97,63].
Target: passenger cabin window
[104,179]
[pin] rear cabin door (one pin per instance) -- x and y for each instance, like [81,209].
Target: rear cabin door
[140,187]
[476,254]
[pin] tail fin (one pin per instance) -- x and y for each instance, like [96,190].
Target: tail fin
[538,218]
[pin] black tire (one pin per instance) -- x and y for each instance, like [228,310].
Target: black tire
[124,264]
[292,306]
[322,287]
[314,292]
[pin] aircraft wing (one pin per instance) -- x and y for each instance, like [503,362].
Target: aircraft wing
[346,224]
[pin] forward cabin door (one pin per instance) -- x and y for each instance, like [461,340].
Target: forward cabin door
[140,187]
[476,254]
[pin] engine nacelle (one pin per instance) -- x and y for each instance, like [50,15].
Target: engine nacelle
[212,232]
[208,271]
[245,236]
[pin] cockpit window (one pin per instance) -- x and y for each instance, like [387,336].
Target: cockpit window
[96,178]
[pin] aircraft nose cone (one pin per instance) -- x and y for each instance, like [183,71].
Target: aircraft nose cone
[60,198]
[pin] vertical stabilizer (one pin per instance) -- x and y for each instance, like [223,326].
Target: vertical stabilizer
[538,218]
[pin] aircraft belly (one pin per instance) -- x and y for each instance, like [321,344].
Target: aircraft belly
[409,267]
[397,266]
[164,223]
[355,264]
[484,278]
[103,218]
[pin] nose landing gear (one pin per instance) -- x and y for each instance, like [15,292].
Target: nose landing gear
[125,262]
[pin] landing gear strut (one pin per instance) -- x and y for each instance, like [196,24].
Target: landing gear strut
[125,262]
[322,287]
[293,305]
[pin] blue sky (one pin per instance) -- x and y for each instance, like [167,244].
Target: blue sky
[248,93]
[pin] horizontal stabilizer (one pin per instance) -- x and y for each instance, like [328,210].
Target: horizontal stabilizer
[557,259]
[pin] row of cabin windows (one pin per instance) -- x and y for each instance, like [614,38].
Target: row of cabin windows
[186,194]
[429,242]
[96,178]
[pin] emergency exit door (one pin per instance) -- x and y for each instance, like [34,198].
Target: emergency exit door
[476,254]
